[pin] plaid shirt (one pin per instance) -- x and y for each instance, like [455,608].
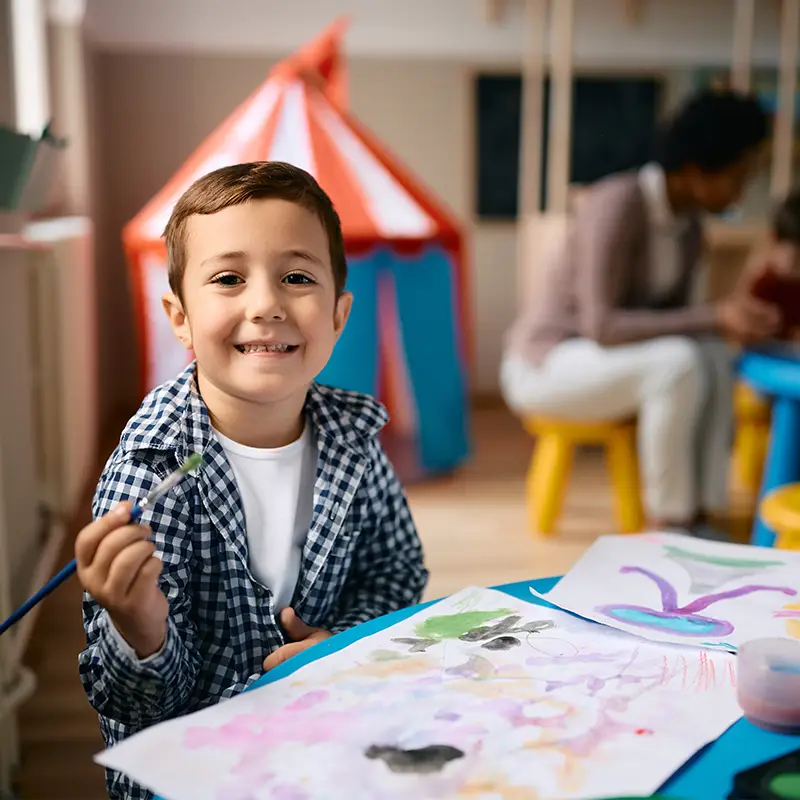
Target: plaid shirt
[362,558]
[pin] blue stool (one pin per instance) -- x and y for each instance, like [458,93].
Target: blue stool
[775,371]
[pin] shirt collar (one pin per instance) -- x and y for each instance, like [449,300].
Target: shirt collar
[174,417]
[653,184]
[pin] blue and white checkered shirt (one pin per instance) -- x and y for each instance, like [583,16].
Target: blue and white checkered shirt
[362,558]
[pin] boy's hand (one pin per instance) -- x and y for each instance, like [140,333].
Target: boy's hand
[117,567]
[300,636]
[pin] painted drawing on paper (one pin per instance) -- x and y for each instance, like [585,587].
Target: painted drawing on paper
[709,571]
[481,695]
[474,626]
[681,620]
[672,588]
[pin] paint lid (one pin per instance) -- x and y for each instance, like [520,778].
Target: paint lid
[769,683]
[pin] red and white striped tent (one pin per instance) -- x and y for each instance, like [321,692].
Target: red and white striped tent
[298,115]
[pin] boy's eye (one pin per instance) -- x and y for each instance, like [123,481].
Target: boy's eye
[228,279]
[298,278]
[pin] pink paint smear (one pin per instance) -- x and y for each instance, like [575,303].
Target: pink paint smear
[252,732]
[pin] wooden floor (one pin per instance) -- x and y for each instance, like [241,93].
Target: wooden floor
[474,529]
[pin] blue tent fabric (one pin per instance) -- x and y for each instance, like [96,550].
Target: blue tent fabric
[426,307]
[425,293]
[354,363]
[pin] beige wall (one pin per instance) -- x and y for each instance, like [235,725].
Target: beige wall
[151,110]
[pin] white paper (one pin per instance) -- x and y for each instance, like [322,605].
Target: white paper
[508,697]
[672,588]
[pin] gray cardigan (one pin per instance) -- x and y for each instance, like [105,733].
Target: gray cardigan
[598,287]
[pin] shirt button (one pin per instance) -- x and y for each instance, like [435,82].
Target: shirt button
[260,591]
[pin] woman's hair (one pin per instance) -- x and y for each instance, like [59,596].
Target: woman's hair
[713,130]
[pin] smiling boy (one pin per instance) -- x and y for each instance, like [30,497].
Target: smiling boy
[296,526]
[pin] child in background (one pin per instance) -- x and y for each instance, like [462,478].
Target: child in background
[296,526]
[774,275]
[784,252]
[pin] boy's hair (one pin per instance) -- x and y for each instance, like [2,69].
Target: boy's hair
[786,219]
[712,131]
[257,180]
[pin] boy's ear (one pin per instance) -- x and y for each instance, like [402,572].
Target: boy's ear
[178,320]
[343,305]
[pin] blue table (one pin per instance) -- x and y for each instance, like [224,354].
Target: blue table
[775,371]
[707,776]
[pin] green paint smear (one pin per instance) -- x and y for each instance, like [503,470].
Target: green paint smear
[786,785]
[720,561]
[451,626]
[385,655]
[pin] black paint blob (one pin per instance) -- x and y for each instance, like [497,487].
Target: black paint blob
[417,645]
[501,643]
[423,760]
[506,626]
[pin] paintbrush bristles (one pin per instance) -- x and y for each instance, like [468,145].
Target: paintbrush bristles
[191,463]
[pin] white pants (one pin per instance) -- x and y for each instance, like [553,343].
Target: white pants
[681,389]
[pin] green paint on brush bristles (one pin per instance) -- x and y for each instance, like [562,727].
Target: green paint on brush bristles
[191,463]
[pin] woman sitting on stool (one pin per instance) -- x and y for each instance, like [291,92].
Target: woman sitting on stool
[616,331]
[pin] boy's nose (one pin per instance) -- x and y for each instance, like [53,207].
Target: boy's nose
[266,304]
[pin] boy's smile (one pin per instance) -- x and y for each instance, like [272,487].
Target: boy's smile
[266,348]
[259,308]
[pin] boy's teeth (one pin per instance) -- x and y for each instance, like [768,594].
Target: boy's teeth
[264,348]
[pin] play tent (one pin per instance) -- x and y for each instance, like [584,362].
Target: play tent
[405,341]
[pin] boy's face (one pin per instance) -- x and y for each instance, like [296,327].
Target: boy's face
[714,192]
[259,303]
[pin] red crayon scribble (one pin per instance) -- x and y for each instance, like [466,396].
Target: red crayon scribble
[732,674]
[644,732]
[665,672]
[702,673]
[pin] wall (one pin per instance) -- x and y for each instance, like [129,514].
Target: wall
[670,33]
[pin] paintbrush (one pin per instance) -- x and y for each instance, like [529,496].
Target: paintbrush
[191,464]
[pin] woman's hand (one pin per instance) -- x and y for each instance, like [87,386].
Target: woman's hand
[746,319]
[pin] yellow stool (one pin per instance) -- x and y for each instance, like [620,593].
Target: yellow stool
[752,412]
[552,458]
[780,510]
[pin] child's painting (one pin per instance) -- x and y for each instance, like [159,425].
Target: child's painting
[673,588]
[479,696]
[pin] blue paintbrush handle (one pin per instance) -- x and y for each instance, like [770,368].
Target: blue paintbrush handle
[189,465]
[53,584]
[37,598]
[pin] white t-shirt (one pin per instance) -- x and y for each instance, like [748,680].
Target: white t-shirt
[277,489]
[665,232]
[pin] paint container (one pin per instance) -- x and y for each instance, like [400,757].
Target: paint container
[769,683]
